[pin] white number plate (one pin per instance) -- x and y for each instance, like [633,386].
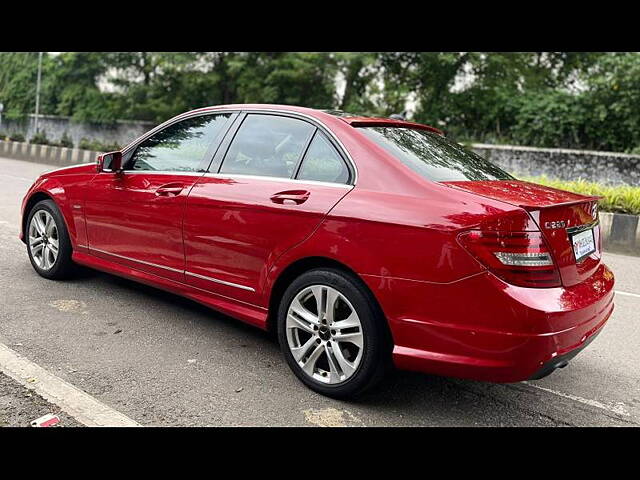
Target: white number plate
[584,244]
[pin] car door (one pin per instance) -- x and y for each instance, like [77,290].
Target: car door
[134,217]
[250,208]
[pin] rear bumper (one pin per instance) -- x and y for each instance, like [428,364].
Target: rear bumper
[561,361]
[484,329]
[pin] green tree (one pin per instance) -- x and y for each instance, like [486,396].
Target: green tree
[18,73]
[553,99]
[612,102]
[359,73]
[73,83]
[68,87]
[284,78]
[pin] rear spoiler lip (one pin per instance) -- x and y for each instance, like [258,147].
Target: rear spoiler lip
[522,204]
[383,122]
[587,198]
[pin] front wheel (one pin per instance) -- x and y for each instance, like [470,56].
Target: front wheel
[332,334]
[48,243]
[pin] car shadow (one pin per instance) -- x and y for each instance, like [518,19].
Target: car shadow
[174,300]
[398,386]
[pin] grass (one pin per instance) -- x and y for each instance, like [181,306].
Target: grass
[618,199]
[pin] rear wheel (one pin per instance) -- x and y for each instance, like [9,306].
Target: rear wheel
[48,243]
[331,333]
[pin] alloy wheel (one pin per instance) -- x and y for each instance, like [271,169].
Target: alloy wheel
[44,242]
[324,334]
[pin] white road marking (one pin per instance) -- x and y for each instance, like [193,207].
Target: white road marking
[80,405]
[618,292]
[619,408]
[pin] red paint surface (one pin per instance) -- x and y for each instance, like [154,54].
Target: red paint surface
[398,232]
[256,228]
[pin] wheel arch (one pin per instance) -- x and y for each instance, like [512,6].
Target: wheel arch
[31,201]
[302,265]
[59,199]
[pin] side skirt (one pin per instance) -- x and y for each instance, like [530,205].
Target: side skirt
[246,312]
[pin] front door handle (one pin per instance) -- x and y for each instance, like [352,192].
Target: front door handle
[297,196]
[170,189]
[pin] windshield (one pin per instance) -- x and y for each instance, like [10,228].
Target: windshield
[433,156]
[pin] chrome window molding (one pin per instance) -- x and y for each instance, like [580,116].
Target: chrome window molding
[163,172]
[278,179]
[238,175]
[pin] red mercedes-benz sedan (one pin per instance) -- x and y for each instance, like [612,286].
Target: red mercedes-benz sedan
[363,242]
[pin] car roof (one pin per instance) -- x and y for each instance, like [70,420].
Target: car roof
[351,119]
[261,106]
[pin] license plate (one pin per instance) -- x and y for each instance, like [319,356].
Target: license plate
[584,244]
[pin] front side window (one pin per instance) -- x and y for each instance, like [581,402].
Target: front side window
[322,163]
[433,156]
[267,145]
[180,147]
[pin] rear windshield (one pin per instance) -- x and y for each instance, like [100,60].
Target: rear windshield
[434,156]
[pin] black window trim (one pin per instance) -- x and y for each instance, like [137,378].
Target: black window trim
[129,150]
[303,153]
[218,160]
[221,151]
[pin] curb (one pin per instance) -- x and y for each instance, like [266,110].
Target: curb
[620,233]
[47,154]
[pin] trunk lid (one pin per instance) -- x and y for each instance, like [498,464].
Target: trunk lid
[563,218]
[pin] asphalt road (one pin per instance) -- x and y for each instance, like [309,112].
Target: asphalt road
[19,406]
[164,360]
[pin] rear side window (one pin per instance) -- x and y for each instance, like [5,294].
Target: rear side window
[433,156]
[267,145]
[180,147]
[322,163]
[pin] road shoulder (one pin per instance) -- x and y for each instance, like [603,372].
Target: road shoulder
[19,406]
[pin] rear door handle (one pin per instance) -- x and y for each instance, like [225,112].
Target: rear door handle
[297,196]
[170,189]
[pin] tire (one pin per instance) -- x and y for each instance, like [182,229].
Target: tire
[56,266]
[347,360]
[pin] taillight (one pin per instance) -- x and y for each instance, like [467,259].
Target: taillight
[519,258]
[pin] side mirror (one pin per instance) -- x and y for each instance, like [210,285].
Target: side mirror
[109,162]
